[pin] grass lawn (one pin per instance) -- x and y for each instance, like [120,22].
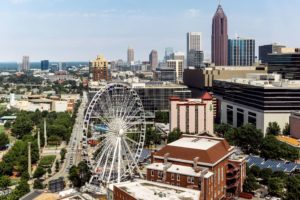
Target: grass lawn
[47,160]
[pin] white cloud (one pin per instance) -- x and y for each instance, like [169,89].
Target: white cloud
[192,12]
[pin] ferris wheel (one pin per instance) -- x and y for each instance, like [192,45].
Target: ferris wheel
[114,134]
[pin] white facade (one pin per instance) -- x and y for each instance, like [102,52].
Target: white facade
[59,106]
[178,66]
[193,44]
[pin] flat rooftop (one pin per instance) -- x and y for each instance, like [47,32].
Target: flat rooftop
[147,190]
[195,143]
[177,169]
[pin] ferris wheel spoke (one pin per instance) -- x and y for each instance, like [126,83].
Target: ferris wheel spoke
[131,140]
[102,155]
[129,108]
[106,161]
[113,159]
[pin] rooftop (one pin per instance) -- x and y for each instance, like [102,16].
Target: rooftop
[147,190]
[176,169]
[195,143]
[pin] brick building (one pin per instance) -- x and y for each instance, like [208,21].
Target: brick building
[207,164]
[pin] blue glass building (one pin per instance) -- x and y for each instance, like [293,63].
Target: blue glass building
[241,52]
[44,65]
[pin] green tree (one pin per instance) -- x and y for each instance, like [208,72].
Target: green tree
[74,176]
[4,182]
[273,128]
[80,174]
[293,188]
[221,129]
[250,183]
[3,140]
[7,125]
[56,166]
[231,135]
[22,188]
[152,137]
[265,174]
[63,152]
[255,170]
[39,172]
[286,130]
[22,126]
[276,186]
[38,184]
[249,139]
[174,135]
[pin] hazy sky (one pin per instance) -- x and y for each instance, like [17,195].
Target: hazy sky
[64,30]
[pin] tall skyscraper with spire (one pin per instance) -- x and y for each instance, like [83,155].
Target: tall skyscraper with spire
[219,38]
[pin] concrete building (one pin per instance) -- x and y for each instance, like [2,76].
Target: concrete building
[286,62]
[148,190]
[241,52]
[192,116]
[295,124]
[219,38]
[168,52]
[264,50]
[193,40]
[25,66]
[165,74]
[130,56]
[99,69]
[196,59]
[44,65]
[203,78]
[257,99]
[206,164]
[178,66]
[153,59]
[177,56]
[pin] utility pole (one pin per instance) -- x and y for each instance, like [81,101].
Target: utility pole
[39,141]
[29,159]
[45,133]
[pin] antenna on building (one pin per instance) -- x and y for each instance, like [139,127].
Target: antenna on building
[45,133]
[29,159]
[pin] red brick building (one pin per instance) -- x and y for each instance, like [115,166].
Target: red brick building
[202,163]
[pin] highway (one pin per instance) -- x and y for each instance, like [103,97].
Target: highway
[73,155]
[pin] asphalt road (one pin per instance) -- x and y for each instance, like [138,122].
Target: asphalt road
[73,155]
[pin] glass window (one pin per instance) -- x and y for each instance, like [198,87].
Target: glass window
[178,177]
[230,115]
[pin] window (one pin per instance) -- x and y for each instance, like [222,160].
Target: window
[152,172]
[160,174]
[229,115]
[178,177]
[240,117]
[252,118]
[188,179]
[172,176]
[192,179]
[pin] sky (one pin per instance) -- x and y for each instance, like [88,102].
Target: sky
[78,30]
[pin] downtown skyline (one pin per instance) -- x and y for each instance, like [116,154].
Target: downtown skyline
[78,30]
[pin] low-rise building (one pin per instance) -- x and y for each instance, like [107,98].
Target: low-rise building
[295,125]
[192,115]
[206,164]
[257,99]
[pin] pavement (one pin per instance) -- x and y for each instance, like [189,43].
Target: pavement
[73,155]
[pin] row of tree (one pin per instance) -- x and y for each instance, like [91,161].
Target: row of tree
[252,141]
[279,184]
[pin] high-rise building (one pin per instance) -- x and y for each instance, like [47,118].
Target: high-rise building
[241,52]
[219,38]
[264,50]
[25,66]
[168,52]
[178,66]
[196,58]
[153,59]
[193,40]
[177,56]
[44,65]
[130,55]
[99,69]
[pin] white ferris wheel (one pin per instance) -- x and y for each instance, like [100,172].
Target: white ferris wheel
[115,124]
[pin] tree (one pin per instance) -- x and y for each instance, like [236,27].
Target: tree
[22,126]
[39,172]
[286,130]
[74,176]
[293,188]
[80,174]
[4,182]
[250,183]
[249,138]
[7,125]
[162,117]
[255,170]
[3,140]
[221,129]
[56,166]
[38,184]
[265,174]
[49,171]
[152,137]
[231,135]
[63,152]
[22,189]
[273,128]
[276,186]
[174,135]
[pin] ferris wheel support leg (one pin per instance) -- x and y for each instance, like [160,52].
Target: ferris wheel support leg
[130,153]
[113,160]
[119,160]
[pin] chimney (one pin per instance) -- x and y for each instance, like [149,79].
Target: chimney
[196,160]
[166,158]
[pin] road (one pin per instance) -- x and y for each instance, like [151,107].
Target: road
[73,155]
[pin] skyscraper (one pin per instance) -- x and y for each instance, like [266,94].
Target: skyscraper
[193,40]
[241,52]
[168,52]
[219,38]
[153,59]
[25,66]
[130,55]
[44,65]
